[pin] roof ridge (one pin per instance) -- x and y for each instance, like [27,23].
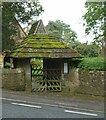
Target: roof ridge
[37,26]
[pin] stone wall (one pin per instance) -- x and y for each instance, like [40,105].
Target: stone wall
[13,79]
[77,81]
[84,82]
[91,82]
[71,82]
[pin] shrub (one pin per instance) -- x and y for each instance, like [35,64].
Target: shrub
[96,63]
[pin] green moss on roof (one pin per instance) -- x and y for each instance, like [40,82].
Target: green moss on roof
[41,41]
[42,45]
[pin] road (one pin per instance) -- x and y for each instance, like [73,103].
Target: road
[12,108]
[49,105]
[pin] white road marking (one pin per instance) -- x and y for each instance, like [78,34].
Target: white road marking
[83,113]
[26,105]
[8,99]
[52,105]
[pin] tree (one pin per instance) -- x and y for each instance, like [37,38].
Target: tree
[55,28]
[23,11]
[62,31]
[95,18]
[88,50]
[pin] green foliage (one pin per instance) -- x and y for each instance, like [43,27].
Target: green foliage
[7,65]
[95,19]
[38,62]
[55,28]
[95,63]
[62,31]
[88,50]
[23,11]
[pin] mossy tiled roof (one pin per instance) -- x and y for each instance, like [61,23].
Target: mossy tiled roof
[44,46]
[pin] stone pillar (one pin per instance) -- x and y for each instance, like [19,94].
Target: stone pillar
[28,76]
[25,64]
[71,81]
[28,82]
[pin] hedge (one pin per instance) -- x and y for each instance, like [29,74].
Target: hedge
[95,63]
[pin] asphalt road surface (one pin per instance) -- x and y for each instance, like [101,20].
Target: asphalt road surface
[12,108]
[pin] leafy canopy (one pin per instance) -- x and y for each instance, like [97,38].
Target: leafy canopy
[88,50]
[95,19]
[23,11]
[62,31]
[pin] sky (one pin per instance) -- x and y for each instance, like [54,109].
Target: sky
[68,11]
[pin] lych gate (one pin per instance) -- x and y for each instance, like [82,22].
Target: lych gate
[50,60]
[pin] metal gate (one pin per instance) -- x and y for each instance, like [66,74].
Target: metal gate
[45,79]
